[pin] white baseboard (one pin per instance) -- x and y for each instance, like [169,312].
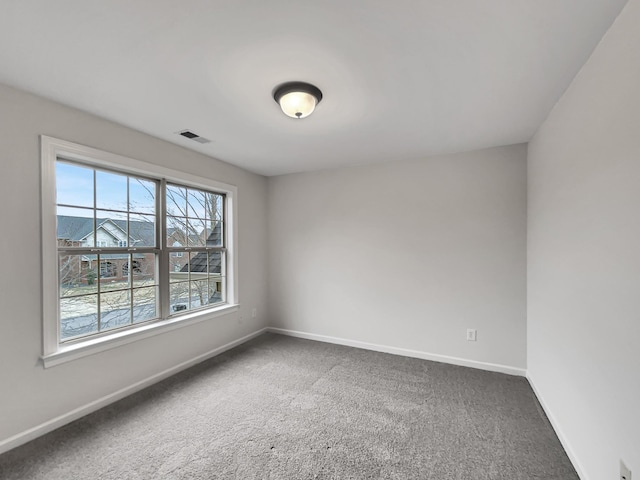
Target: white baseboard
[57,422]
[492,367]
[556,426]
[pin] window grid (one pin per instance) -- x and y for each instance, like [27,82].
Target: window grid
[109,259]
[102,263]
[199,245]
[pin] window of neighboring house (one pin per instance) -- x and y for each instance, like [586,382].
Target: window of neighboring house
[107,269]
[176,254]
[135,266]
[90,194]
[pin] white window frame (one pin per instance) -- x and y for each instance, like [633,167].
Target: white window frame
[55,353]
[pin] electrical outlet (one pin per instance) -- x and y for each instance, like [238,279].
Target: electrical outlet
[472,334]
[625,473]
[254,312]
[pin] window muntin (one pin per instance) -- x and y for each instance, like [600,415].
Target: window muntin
[112,215]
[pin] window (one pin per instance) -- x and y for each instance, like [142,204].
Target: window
[107,269]
[129,248]
[196,222]
[135,266]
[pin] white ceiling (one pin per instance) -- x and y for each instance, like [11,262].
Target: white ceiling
[401,79]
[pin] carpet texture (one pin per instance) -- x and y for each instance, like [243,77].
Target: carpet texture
[285,408]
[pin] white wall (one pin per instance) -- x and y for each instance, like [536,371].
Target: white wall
[30,394]
[584,257]
[406,255]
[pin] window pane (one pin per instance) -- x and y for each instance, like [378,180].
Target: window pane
[74,185]
[196,204]
[179,296]
[74,227]
[177,231]
[142,195]
[142,230]
[198,265]
[214,206]
[144,304]
[217,277]
[78,316]
[115,309]
[143,271]
[197,232]
[111,229]
[211,202]
[213,296]
[178,262]
[176,201]
[111,191]
[216,287]
[199,294]
[110,270]
[77,275]
[215,234]
[179,267]
[215,262]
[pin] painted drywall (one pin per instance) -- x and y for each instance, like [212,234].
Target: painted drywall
[584,257]
[406,255]
[31,395]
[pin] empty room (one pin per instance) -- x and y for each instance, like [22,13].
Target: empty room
[320,240]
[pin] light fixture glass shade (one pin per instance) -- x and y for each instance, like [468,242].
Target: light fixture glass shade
[297,99]
[298,104]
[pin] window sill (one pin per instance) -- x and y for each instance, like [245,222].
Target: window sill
[67,353]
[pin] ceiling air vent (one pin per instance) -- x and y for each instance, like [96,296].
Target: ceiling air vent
[194,136]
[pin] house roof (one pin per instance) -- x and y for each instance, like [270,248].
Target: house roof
[77,228]
[178,234]
[73,228]
[200,261]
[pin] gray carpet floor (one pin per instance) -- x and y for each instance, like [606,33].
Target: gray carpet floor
[285,408]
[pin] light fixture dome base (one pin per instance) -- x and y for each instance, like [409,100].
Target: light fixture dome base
[297,99]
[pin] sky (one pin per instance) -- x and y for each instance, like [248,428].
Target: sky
[74,186]
[75,190]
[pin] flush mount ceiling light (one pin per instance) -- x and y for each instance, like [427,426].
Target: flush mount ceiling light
[297,99]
